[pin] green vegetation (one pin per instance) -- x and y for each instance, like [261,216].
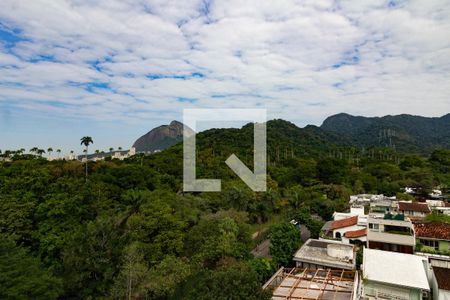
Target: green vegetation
[130,231]
[437,217]
[285,240]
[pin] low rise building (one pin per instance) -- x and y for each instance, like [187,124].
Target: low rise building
[414,210]
[391,233]
[433,237]
[389,275]
[347,227]
[324,254]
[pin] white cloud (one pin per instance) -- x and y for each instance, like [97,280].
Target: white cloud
[303,60]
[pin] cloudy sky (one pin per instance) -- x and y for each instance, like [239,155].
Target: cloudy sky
[115,69]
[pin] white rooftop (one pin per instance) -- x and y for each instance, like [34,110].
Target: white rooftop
[395,268]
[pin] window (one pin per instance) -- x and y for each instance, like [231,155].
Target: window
[430,243]
[374,227]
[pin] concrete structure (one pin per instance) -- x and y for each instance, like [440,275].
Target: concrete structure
[389,275]
[355,210]
[368,198]
[391,233]
[317,284]
[384,206]
[321,254]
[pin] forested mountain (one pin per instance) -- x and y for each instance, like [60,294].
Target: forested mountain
[161,137]
[405,133]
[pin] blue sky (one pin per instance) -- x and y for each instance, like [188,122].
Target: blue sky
[115,69]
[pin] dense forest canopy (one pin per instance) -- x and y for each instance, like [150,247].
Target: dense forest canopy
[129,231]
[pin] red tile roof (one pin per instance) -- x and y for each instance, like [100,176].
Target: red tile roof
[447,204]
[344,223]
[411,206]
[442,278]
[356,233]
[434,230]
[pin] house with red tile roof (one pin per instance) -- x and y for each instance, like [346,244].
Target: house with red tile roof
[348,230]
[414,210]
[433,237]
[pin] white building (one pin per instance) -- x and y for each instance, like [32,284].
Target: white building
[391,275]
[321,254]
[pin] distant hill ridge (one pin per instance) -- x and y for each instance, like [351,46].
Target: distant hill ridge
[405,133]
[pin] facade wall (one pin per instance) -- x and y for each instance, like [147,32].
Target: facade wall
[375,290]
[443,295]
[391,247]
[443,245]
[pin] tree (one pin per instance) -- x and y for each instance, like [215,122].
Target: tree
[90,258]
[130,283]
[34,150]
[59,152]
[49,151]
[23,276]
[40,152]
[86,141]
[285,240]
[236,282]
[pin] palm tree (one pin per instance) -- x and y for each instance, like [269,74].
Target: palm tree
[86,140]
[97,152]
[40,152]
[59,152]
[111,149]
[49,150]
[34,150]
[120,148]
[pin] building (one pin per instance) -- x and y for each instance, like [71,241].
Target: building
[317,284]
[444,209]
[383,206]
[345,225]
[324,254]
[355,210]
[336,229]
[366,199]
[356,237]
[414,210]
[433,237]
[435,203]
[441,283]
[391,233]
[389,275]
